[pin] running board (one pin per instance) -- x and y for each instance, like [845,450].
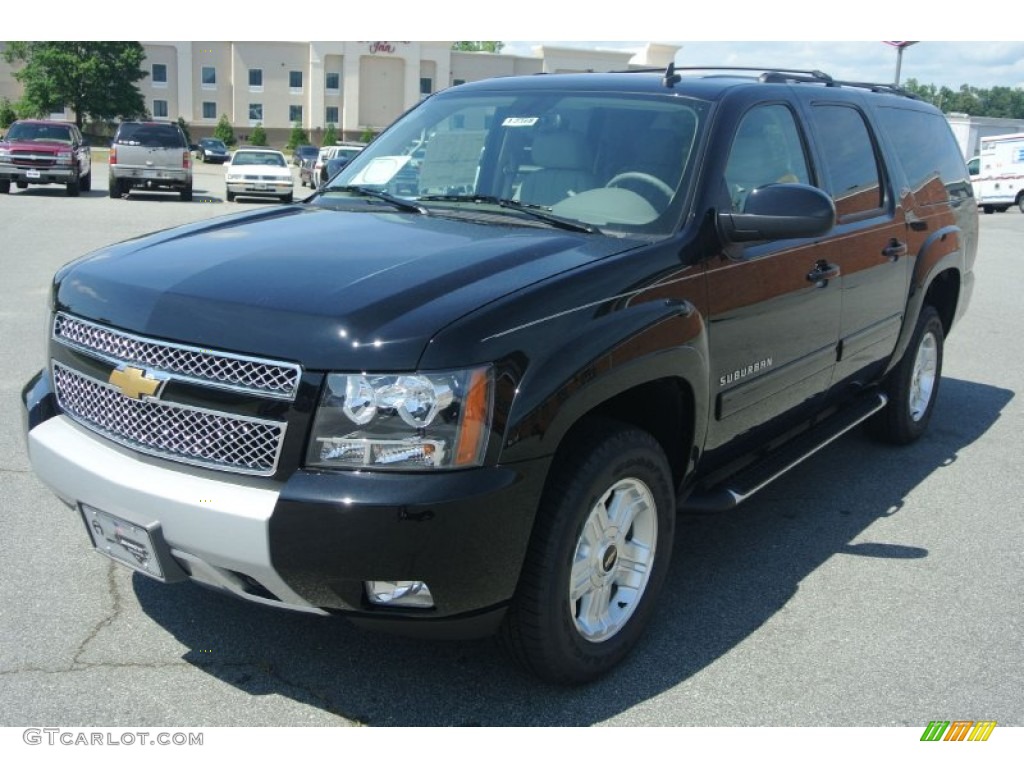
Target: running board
[751,479]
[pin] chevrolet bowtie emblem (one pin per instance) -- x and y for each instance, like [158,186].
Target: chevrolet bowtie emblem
[134,383]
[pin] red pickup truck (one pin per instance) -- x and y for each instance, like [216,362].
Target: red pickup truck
[45,152]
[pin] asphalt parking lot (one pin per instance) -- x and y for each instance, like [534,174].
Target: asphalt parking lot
[872,586]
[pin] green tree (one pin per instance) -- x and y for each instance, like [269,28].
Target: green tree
[185,129]
[97,80]
[7,114]
[224,132]
[258,137]
[489,46]
[298,136]
[367,135]
[330,135]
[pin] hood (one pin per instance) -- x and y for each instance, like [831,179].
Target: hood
[329,289]
[39,147]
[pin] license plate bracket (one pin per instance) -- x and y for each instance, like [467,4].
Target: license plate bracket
[139,547]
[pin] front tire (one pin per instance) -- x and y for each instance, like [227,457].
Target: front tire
[86,182]
[913,385]
[73,187]
[598,557]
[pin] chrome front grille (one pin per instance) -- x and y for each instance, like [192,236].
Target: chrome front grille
[266,378]
[182,433]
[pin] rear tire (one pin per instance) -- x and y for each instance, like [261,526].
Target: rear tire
[913,385]
[186,194]
[598,556]
[230,197]
[113,188]
[1020,203]
[287,198]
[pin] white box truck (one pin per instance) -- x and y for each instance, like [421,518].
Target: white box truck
[1000,180]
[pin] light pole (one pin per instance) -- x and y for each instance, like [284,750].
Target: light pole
[899,45]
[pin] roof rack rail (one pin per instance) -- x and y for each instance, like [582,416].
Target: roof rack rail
[777,75]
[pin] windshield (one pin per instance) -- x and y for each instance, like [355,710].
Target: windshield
[617,161]
[39,132]
[213,144]
[259,158]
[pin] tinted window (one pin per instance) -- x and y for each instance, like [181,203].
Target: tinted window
[295,79]
[927,151]
[854,178]
[150,135]
[209,75]
[766,150]
[39,132]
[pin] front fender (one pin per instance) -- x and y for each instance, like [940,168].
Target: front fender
[617,352]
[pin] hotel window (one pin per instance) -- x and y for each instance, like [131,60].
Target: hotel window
[294,113]
[255,113]
[159,108]
[159,75]
[426,86]
[332,82]
[256,80]
[209,77]
[295,81]
[209,110]
[331,116]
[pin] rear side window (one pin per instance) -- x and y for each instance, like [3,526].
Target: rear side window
[855,180]
[928,153]
[150,135]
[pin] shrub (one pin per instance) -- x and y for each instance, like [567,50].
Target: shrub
[224,132]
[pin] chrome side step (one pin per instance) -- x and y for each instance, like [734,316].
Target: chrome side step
[751,479]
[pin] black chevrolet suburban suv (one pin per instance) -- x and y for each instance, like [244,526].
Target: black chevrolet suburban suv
[468,394]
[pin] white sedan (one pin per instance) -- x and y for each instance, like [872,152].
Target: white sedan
[259,172]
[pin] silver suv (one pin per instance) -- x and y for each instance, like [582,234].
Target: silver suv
[150,155]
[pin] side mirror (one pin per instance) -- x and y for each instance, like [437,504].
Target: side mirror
[779,212]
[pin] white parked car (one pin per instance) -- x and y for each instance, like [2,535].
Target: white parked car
[259,172]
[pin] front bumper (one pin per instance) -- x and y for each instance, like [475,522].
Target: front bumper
[260,188]
[51,175]
[312,542]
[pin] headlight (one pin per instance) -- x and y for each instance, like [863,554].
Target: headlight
[403,421]
[5,155]
[63,157]
[233,177]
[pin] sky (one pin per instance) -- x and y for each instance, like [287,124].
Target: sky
[849,50]
[949,63]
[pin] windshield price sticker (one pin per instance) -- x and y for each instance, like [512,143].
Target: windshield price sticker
[519,122]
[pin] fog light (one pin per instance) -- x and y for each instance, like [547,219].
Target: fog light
[402,594]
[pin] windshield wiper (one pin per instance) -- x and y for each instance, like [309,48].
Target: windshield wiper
[399,202]
[529,209]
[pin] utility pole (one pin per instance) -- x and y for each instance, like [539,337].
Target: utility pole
[899,45]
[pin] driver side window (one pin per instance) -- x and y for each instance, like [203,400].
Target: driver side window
[767,149]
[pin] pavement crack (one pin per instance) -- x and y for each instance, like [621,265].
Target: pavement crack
[106,621]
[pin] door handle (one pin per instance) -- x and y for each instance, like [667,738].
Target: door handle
[822,273]
[894,250]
